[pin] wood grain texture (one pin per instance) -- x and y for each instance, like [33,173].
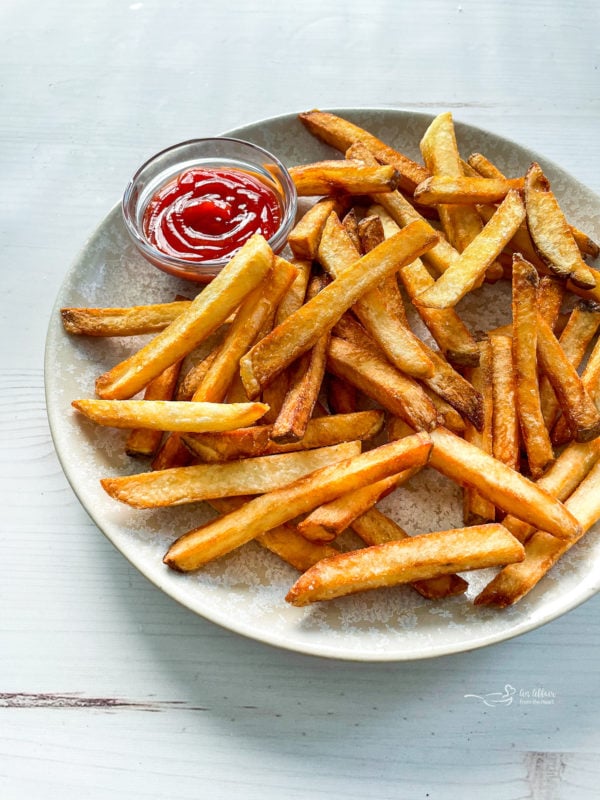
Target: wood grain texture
[107,687]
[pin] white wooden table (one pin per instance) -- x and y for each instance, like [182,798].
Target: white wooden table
[107,687]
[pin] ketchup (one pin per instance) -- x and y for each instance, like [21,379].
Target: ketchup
[205,214]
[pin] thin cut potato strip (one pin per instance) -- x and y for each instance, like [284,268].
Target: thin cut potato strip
[337,177]
[543,551]
[464,273]
[508,490]
[305,236]
[341,134]
[524,341]
[505,421]
[144,442]
[256,441]
[579,410]
[299,332]
[477,509]
[283,540]
[180,485]
[375,528]
[164,415]
[561,480]
[551,233]
[330,519]
[416,558]
[131,321]
[463,190]
[204,544]
[209,309]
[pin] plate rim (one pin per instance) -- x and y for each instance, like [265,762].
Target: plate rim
[224,619]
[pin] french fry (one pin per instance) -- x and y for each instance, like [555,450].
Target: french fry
[448,416]
[172,453]
[478,509]
[283,540]
[505,422]
[590,378]
[463,274]
[561,480]
[445,381]
[327,521]
[210,308]
[249,319]
[376,377]
[464,191]
[550,295]
[193,378]
[141,441]
[198,547]
[130,321]
[299,332]
[341,134]
[524,342]
[305,236]
[542,551]
[575,338]
[551,233]
[484,166]
[449,331]
[256,441]
[587,246]
[377,309]
[337,177]
[179,485]
[173,415]
[416,558]
[350,223]
[304,386]
[510,491]
[375,528]
[579,410]
[370,232]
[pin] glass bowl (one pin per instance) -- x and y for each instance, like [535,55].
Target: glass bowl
[215,153]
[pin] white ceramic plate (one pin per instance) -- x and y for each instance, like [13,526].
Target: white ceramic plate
[244,591]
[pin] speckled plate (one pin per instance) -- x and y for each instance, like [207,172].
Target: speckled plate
[244,591]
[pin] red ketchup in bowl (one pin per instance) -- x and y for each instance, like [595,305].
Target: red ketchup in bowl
[205,214]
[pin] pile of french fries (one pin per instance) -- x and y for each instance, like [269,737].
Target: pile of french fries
[316,359]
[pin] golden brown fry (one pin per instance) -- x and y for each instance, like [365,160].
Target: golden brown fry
[265,512]
[179,485]
[173,415]
[249,319]
[380,309]
[327,521]
[507,489]
[551,233]
[543,551]
[550,295]
[194,376]
[575,338]
[304,385]
[283,540]
[256,441]
[375,528]
[376,377]
[415,558]
[122,321]
[141,441]
[463,274]
[586,245]
[524,342]
[299,332]
[173,453]
[342,177]
[579,410]
[478,509]
[306,234]
[561,480]
[464,191]
[448,416]
[591,381]
[505,422]
[350,223]
[210,308]
[370,232]
[341,134]
[484,166]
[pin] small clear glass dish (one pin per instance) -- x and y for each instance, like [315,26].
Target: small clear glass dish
[214,153]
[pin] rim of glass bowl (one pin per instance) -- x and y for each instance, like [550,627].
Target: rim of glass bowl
[208,268]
